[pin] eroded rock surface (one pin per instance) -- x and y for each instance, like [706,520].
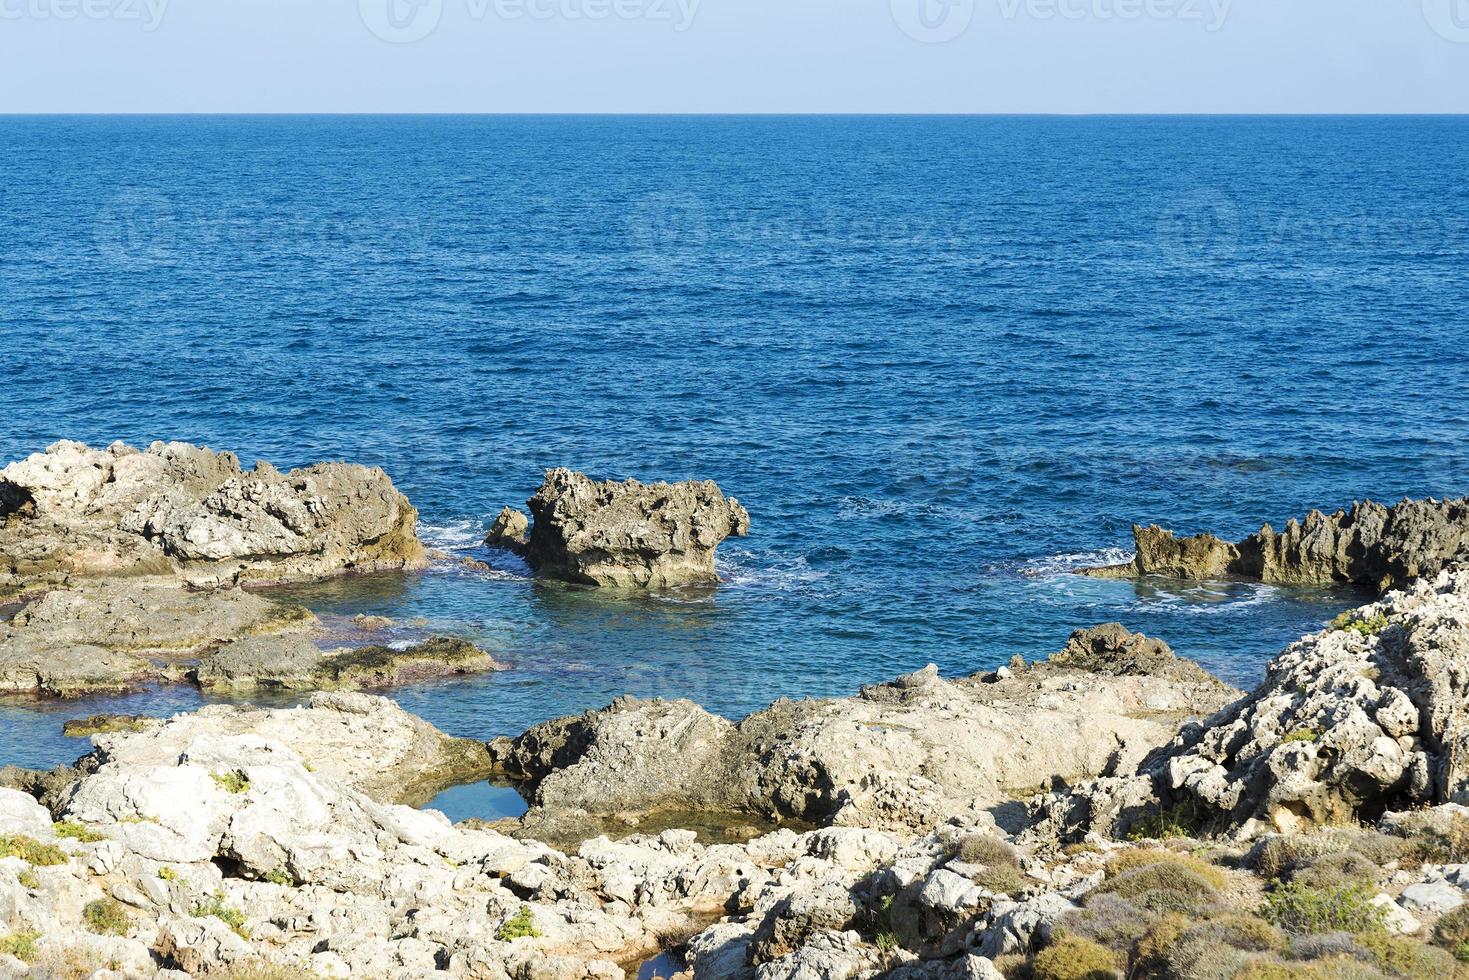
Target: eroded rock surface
[110,635]
[74,512]
[906,755]
[1367,715]
[1371,545]
[627,535]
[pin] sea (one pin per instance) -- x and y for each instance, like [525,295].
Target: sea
[944,361]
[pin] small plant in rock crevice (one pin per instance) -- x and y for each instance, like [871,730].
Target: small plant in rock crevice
[215,907]
[1350,622]
[21,945]
[74,831]
[31,851]
[521,925]
[106,917]
[234,781]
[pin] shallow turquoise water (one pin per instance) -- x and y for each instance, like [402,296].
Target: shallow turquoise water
[942,361]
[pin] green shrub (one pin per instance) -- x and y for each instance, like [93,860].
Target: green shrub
[280,877]
[1443,842]
[1002,865]
[1165,823]
[1142,857]
[1334,871]
[1164,887]
[1278,857]
[29,879]
[234,781]
[1404,957]
[106,917]
[1303,735]
[230,916]
[1300,908]
[1107,919]
[75,831]
[31,851]
[1074,958]
[1452,931]
[21,945]
[985,849]
[521,925]
[167,873]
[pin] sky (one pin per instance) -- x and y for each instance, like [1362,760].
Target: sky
[942,56]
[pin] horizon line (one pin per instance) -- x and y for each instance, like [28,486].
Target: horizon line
[732,114]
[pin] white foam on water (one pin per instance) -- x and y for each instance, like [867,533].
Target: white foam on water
[1069,563]
[460,535]
[765,569]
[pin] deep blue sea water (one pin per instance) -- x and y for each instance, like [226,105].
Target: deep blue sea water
[942,361]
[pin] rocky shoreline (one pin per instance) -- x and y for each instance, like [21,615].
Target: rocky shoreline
[233,840]
[1112,811]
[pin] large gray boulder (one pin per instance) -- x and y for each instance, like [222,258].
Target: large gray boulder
[74,512]
[907,755]
[1370,545]
[626,535]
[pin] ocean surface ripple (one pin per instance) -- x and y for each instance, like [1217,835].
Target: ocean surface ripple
[944,362]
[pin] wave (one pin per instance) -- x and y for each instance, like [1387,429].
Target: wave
[1069,563]
[457,535]
[767,569]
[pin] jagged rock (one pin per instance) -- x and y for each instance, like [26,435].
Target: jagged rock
[296,663]
[907,755]
[229,848]
[1365,715]
[73,513]
[509,531]
[1371,545]
[628,535]
[1112,649]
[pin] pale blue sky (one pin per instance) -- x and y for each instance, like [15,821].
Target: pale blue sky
[734,55]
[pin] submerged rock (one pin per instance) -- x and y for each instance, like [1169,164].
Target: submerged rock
[1364,716]
[907,755]
[298,664]
[105,725]
[73,513]
[627,535]
[1371,545]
